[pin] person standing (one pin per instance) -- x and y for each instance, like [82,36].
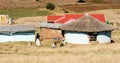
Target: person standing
[37,40]
[54,45]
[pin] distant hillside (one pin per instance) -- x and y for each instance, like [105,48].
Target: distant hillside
[103,1]
[8,4]
[112,1]
[90,7]
[65,2]
[60,2]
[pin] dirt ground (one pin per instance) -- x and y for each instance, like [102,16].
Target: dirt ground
[30,20]
[8,4]
[90,7]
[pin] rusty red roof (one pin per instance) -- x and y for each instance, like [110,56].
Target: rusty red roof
[69,17]
[52,18]
[100,17]
[72,17]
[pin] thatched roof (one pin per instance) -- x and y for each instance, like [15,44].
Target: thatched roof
[86,24]
[17,28]
[50,25]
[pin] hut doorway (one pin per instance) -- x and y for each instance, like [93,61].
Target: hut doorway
[93,36]
[63,32]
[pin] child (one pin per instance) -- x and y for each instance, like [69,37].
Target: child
[54,45]
[63,43]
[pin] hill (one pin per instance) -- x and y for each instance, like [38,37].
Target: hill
[66,2]
[90,7]
[9,4]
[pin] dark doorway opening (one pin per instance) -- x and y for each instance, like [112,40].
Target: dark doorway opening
[93,36]
[50,22]
[81,1]
[63,32]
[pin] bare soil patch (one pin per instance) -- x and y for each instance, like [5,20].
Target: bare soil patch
[90,7]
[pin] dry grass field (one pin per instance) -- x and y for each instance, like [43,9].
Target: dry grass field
[98,53]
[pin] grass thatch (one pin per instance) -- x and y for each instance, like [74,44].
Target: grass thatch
[86,24]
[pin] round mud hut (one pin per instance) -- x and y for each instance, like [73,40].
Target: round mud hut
[86,30]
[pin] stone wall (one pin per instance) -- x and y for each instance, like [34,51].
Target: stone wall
[47,33]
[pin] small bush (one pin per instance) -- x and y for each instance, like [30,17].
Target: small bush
[37,0]
[65,11]
[50,6]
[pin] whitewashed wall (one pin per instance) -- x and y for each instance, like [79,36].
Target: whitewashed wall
[7,38]
[104,37]
[76,38]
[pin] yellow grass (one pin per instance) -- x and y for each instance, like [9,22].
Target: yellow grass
[99,53]
[107,53]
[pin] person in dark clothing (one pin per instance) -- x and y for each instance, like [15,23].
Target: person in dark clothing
[37,36]
[112,41]
[61,44]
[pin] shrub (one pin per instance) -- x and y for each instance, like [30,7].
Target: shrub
[50,6]
[37,0]
[65,11]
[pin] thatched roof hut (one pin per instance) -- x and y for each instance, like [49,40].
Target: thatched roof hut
[87,24]
[87,29]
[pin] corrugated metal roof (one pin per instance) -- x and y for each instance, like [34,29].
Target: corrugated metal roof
[67,17]
[50,25]
[53,18]
[17,28]
[100,17]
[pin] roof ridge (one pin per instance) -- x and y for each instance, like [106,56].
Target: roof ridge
[60,19]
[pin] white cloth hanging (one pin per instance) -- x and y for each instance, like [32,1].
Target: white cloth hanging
[37,42]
